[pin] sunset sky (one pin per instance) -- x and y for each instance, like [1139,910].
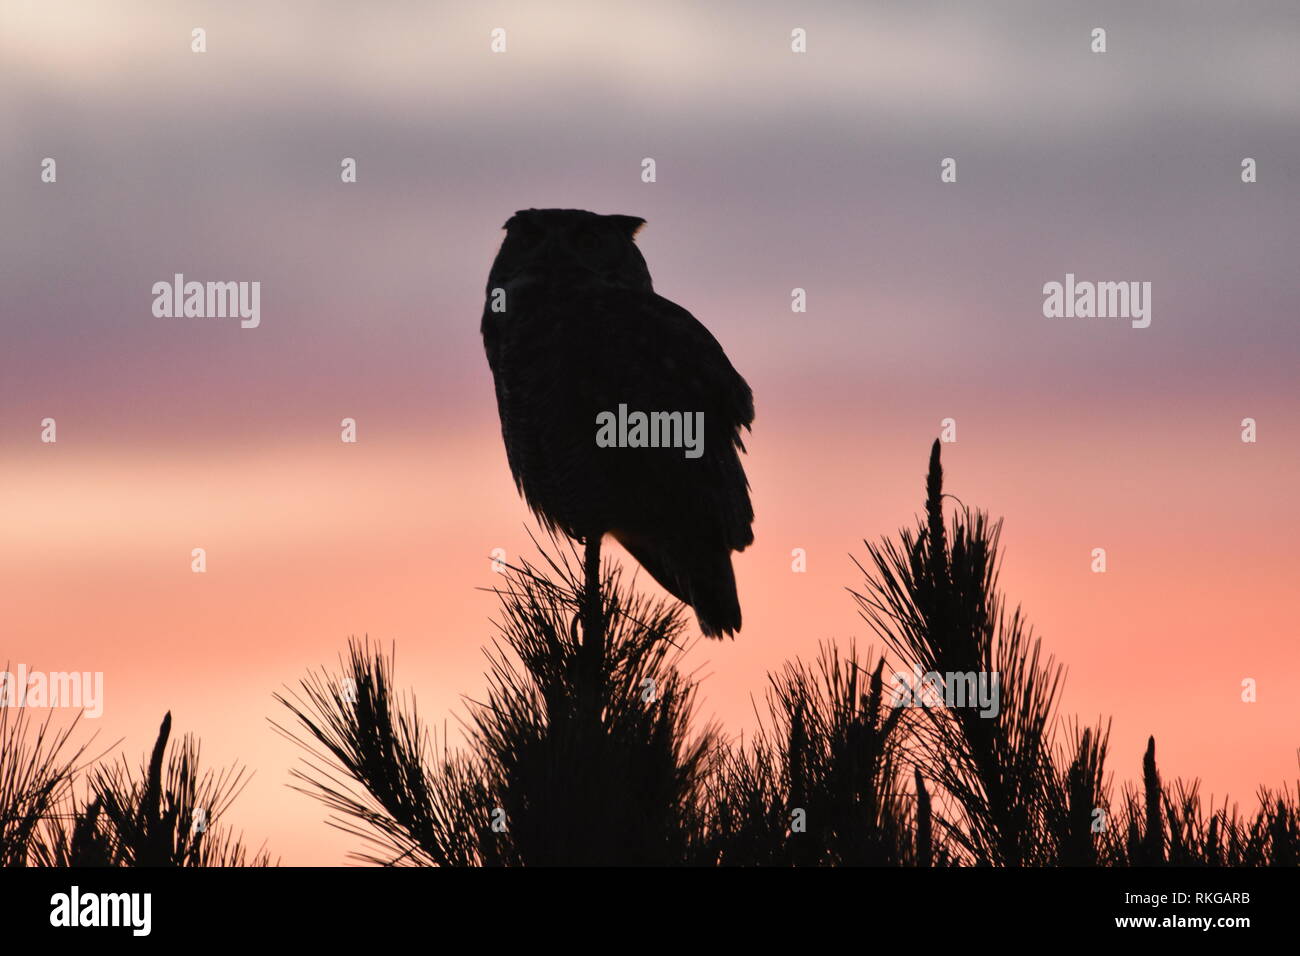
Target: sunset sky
[774,171]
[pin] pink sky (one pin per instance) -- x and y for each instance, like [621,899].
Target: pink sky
[312,542]
[774,172]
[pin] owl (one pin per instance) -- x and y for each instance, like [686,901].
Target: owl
[620,412]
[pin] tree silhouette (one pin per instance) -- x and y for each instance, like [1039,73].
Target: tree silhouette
[582,751]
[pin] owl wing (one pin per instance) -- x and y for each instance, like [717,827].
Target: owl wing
[652,355]
[559,360]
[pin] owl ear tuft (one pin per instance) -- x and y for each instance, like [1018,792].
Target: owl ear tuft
[521,216]
[628,225]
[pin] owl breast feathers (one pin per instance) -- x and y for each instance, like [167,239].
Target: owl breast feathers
[579,344]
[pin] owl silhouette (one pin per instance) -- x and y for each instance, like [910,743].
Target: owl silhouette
[577,341]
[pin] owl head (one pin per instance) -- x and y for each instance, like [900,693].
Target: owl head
[568,247]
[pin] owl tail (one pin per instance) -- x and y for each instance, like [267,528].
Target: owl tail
[700,575]
[713,595]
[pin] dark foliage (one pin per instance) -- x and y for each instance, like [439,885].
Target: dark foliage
[582,750]
[165,814]
[576,758]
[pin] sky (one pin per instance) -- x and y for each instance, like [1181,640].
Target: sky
[774,171]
